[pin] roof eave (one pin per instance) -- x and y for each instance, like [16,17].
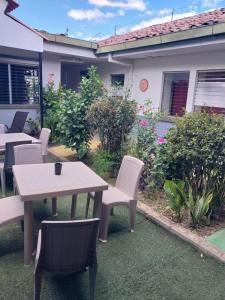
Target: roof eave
[167,38]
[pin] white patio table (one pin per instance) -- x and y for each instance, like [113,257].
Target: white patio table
[38,181]
[15,137]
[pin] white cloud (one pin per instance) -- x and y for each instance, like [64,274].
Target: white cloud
[161,20]
[165,12]
[125,4]
[149,12]
[210,3]
[89,14]
[121,12]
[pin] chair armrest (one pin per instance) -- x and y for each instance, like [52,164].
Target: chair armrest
[3,128]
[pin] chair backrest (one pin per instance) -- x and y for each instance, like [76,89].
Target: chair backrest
[44,138]
[2,128]
[129,175]
[9,159]
[68,246]
[18,122]
[28,154]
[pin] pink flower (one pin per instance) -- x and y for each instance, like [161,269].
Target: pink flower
[143,123]
[160,141]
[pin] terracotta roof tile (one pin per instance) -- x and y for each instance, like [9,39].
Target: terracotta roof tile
[204,19]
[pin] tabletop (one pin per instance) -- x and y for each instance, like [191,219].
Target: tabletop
[15,137]
[38,181]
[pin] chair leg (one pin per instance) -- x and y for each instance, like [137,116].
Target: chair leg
[3,182]
[92,279]
[104,224]
[22,225]
[132,211]
[73,207]
[54,207]
[87,205]
[37,284]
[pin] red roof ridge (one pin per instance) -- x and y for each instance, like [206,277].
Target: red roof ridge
[195,21]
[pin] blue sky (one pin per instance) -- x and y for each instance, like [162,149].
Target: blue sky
[96,19]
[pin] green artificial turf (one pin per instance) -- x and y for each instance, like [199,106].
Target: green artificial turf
[147,264]
[218,239]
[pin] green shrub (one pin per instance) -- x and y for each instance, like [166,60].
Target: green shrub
[51,103]
[74,128]
[113,117]
[145,145]
[197,149]
[103,163]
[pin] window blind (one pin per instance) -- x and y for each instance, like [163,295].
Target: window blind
[4,84]
[210,89]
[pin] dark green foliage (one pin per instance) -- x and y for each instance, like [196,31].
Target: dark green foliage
[52,98]
[103,163]
[197,149]
[113,117]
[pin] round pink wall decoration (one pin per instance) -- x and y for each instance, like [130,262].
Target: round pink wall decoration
[143,85]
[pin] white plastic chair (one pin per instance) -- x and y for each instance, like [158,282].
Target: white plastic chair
[28,154]
[2,128]
[11,210]
[44,138]
[124,193]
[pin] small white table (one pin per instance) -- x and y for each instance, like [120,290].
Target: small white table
[38,181]
[15,137]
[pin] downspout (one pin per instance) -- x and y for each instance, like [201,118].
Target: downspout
[41,89]
[125,64]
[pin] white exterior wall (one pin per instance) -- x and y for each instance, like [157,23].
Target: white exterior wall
[152,69]
[148,68]
[51,68]
[15,35]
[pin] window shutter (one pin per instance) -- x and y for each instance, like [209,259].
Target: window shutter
[210,89]
[25,85]
[4,84]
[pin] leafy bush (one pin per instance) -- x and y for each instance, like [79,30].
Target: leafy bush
[103,163]
[73,125]
[197,149]
[146,144]
[113,117]
[51,103]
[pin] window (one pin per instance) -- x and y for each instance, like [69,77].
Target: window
[175,90]
[18,84]
[210,91]
[117,79]
[4,84]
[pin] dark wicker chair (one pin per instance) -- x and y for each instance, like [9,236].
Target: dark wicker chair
[18,122]
[66,247]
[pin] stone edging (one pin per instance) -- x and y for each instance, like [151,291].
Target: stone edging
[183,233]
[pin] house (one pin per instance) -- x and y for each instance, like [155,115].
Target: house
[178,65]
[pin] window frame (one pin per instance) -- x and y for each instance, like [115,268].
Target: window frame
[117,74]
[164,73]
[16,62]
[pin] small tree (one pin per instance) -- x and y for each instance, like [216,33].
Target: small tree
[72,123]
[114,118]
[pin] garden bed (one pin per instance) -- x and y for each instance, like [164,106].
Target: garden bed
[160,205]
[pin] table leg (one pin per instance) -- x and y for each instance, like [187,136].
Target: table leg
[28,232]
[54,207]
[97,205]
[73,206]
